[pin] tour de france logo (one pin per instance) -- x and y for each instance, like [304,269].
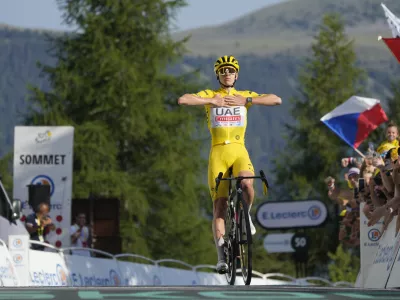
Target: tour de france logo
[314,212]
[374,235]
[44,180]
[114,278]
[43,137]
[62,275]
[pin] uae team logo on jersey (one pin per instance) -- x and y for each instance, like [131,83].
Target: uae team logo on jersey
[228,116]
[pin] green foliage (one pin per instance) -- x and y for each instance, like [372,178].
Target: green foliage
[344,265]
[328,78]
[393,103]
[132,140]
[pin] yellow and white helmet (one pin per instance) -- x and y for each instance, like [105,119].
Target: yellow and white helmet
[226,61]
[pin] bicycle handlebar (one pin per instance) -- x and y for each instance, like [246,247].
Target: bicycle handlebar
[240,178]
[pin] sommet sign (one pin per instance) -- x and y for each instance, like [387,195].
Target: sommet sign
[291,214]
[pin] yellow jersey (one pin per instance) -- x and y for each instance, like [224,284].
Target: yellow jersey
[227,124]
[386,146]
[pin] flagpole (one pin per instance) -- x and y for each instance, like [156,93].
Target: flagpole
[359,152]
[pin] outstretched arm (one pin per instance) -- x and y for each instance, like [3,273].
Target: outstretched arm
[189,99]
[268,100]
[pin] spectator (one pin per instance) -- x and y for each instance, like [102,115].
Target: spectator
[80,235]
[37,223]
[392,135]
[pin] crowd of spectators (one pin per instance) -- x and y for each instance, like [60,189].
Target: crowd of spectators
[372,179]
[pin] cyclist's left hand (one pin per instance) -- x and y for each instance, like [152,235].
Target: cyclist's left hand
[235,100]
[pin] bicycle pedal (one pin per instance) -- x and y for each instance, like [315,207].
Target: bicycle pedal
[222,272]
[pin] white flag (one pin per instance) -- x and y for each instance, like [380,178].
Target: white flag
[393,21]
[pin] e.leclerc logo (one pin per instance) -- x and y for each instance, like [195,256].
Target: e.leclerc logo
[45,180]
[17,258]
[17,243]
[62,276]
[114,278]
[374,235]
[314,212]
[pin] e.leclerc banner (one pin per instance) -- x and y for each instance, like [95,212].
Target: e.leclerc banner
[44,155]
[291,214]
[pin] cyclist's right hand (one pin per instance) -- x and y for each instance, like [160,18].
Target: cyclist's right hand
[217,100]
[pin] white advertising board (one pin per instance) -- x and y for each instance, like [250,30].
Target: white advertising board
[172,276]
[206,278]
[291,214]
[47,269]
[8,273]
[369,241]
[18,247]
[279,243]
[90,271]
[379,270]
[137,274]
[394,277]
[44,155]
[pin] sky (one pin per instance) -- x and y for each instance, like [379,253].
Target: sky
[44,14]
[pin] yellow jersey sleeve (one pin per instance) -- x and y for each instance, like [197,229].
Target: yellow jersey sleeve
[250,94]
[205,94]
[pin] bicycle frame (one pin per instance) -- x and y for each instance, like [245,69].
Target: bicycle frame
[239,180]
[233,239]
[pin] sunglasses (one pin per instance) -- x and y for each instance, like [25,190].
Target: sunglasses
[226,70]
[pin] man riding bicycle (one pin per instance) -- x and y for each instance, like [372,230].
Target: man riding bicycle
[226,110]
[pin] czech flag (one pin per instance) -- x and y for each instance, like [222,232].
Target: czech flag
[394,24]
[355,119]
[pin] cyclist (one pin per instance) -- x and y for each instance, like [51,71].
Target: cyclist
[226,111]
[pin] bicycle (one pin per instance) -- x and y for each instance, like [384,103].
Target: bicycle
[237,225]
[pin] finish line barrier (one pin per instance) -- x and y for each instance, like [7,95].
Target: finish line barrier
[57,267]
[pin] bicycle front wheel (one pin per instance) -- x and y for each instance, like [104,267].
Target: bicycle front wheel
[230,247]
[244,239]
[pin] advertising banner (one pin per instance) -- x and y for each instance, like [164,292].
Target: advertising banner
[137,274]
[369,242]
[8,273]
[44,156]
[394,278]
[47,269]
[18,247]
[291,214]
[90,271]
[172,276]
[279,243]
[381,266]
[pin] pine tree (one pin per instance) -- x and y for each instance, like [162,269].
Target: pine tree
[393,111]
[329,77]
[132,140]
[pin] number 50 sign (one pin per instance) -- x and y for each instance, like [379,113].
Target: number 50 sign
[286,242]
[300,242]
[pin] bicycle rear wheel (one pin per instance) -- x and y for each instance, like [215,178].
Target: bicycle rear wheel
[230,247]
[244,239]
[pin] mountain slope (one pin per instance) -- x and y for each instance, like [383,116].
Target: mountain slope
[271,46]
[294,22]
